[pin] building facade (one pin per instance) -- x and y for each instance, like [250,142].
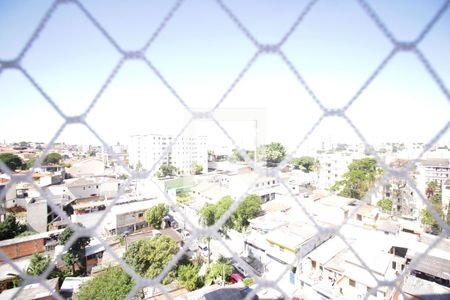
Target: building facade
[145,151]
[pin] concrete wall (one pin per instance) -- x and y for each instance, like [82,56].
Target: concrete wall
[87,168]
[37,216]
[108,189]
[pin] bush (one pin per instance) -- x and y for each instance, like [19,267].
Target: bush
[248,281]
[114,283]
[188,276]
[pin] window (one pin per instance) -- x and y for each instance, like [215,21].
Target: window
[359,217]
[394,265]
[351,282]
[97,186]
[140,215]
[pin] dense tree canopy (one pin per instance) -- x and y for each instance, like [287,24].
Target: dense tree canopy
[10,228]
[113,283]
[12,161]
[52,158]
[155,214]
[272,153]
[197,169]
[385,204]
[167,170]
[305,163]
[247,210]
[360,177]
[148,257]
[188,276]
[426,218]
[38,264]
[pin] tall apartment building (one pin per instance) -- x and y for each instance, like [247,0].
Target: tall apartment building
[187,151]
[333,166]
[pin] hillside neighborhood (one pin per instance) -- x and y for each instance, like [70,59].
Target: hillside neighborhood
[205,223]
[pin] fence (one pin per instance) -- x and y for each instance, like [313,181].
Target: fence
[398,47]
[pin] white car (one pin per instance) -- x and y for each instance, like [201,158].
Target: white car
[241,270]
[185,234]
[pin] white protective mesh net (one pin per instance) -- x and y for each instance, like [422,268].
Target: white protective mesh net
[398,48]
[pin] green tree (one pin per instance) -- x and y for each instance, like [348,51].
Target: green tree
[113,283]
[209,214]
[436,198]
[385,204]
[426,217]
[167,170]
[52,158]
[248,209]
[197,169]
[30,163]
[183,197]
[360,177]
[12,161]
[38,264]
[76,252]
[188,276]
[432,188]
[155,214]
[236,156]
[305,163]
[221,208]
[272,153]
[218,271]
[139,166]
[10,228]
[251,154]
[429,221]
[148,257]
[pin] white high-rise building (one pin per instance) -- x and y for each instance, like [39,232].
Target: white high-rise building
[187,151]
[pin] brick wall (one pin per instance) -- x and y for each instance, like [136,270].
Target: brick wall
[23,249]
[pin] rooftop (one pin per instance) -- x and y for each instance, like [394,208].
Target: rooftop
[213,191]
[327,250]
[75,182]
[291,235]
[29,238]
[435,162]
[423,289]
[435,266]
[31,291]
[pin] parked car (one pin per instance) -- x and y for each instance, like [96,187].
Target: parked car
[234,278]
[241,270]
[185,234]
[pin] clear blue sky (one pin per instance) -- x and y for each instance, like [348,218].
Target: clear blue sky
[201,51]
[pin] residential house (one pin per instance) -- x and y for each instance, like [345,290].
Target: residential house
[87,168]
